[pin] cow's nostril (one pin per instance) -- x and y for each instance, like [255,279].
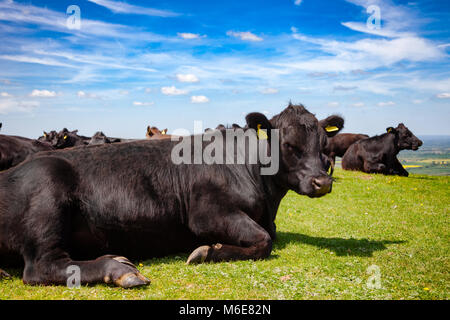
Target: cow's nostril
[316,183]
[321,185]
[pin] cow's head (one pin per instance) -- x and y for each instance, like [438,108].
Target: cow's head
[153,132]
[405,138]
[48,137]
[99,138]
[330,127]
[302,167]
[65,139]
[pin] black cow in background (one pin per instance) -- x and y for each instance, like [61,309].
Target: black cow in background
[338,145]
[68,139]
[14,150]
[378,154]
[331,126]
[48,137]
[100,138]
[132,199]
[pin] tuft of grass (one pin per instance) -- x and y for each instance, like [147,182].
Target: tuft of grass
[326,248]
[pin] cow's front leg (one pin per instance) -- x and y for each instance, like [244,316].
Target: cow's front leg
[236,237]
[398,168]
[374,167]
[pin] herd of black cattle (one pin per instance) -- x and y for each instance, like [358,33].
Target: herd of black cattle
[69,200]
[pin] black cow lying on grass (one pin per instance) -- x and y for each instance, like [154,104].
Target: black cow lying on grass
[14,150]
[378,154]
[338,145]
[62,208]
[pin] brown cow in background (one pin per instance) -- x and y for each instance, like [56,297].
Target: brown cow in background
[155,133]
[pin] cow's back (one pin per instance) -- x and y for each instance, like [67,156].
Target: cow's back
[340,143]
[138,179]
[15,149]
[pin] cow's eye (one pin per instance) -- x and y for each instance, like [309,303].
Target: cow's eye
[293,149]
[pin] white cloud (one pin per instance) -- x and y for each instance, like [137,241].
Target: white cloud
[43,93]
[248,36]
[187,77]
[269,91]
[187,35]
[417,101]
[172,91]
[56,21]
[344,88]
[12,105]
[199,99]
[138,103]
[444,95]
[365,54]
[333,104]
[43,61]
[298,2]
[82,94]
[358,104]
[122,7]
[5,95]
[385,104]
[397,20]
[384,32]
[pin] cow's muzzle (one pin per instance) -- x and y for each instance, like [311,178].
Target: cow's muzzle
[322,185]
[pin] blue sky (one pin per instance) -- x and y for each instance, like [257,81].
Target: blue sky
[168,63]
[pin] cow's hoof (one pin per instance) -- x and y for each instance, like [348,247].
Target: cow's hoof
[4,275]
[198,255]
[130,280]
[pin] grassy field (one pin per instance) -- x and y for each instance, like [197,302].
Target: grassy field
[371,226]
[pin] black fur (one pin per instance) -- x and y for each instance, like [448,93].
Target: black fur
[378,154]
[65,207]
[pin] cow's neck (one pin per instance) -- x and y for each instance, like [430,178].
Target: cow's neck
[392,140]
[274,193]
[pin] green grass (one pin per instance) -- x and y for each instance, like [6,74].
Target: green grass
[323,250]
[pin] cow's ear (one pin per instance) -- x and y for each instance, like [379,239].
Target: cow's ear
[259,122]
[45,133]
[149,131]
[390,130]
[332,125]
[164,131]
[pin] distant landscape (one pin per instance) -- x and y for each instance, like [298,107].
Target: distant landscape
[433,157]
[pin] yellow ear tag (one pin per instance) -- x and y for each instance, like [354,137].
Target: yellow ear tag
[65,137]
[45,135]
[163,132]
[262,135]
[389,130]
[331,128]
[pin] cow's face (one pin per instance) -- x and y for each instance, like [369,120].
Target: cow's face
[65,139]
[99,138]
[154,132]
[49,137]
[405,138]
[302,166]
